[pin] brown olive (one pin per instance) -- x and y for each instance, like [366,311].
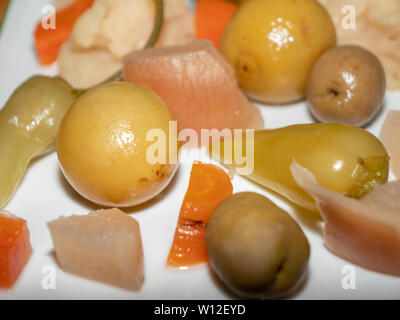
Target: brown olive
[255,247]
[346,85]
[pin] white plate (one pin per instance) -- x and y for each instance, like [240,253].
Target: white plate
[45,195]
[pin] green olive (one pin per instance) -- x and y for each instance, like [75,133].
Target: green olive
[256,248]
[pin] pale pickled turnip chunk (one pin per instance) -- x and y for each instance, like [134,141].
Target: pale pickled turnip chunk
[197,84]
[366,231]
[104,245]
[390,137]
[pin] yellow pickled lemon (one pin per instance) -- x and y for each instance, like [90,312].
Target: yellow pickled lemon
[114,145]
[272,45]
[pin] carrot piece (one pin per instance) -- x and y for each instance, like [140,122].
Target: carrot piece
[211,17]
[15,248]
[189,246]
[209,185]
[3,10]
[48,42]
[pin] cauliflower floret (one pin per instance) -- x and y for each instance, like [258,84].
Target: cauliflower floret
[128,25]
[178,27]
[86,68]
[110,29]
[119,26]
[86,33]
[387,15]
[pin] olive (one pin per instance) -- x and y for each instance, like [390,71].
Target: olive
[346,85]
[255,248]
[114,162]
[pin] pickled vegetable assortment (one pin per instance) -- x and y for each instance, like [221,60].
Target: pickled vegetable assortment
[137,86]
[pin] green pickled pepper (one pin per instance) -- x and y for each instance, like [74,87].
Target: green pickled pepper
[29,124]
[344,159]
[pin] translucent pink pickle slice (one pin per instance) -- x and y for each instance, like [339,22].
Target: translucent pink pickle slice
[390,137]
[365,232]
[197,84]
[104,245]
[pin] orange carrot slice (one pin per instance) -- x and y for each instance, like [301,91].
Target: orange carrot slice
[209,185]
[15,248]
[211,17]
[48,42]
